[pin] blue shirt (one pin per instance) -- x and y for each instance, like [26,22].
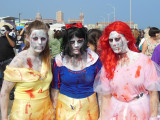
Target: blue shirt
[75,84]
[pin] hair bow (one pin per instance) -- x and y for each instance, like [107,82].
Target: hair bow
[78,25]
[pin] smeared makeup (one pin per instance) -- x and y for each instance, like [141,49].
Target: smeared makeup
[38,40]
[29,63]
[76,44]
[118,42]
[3,31]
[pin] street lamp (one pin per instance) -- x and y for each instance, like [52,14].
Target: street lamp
[114,11]
[108,15]
[130,13]
[19,18]
[103,19]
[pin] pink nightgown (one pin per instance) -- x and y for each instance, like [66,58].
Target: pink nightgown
[128,82]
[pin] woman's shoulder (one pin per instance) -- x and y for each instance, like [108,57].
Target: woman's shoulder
[58,60]
[19,60]
[144,58]
[92,57]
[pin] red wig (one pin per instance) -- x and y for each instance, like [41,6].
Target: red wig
[107,56]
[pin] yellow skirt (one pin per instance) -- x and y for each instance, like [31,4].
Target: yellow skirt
[77,109]
[32,110]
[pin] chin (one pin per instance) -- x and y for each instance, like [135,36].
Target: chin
[38,51]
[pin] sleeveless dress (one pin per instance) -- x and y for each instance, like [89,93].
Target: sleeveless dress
[129,89]
[76,99]
[150,48]
[32,100]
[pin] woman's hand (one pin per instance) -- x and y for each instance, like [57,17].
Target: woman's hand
[5,91]
[154,103]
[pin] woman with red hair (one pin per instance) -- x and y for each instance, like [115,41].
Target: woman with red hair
[128,81]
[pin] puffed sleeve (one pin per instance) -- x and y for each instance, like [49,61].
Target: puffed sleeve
[98,66]
[101,84]
[56,79]
[151,75]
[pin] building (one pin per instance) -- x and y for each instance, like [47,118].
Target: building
[102,25]
[59,16]
[49,21]
[80,20]
[132,24]
[8,21]
[38,17]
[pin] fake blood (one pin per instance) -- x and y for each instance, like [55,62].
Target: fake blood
[30,93]
[138,72]
[29,62]
[26,109]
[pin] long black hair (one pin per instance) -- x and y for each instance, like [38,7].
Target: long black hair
[69,34]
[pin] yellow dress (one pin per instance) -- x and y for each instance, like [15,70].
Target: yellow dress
[32,100]
[77,109]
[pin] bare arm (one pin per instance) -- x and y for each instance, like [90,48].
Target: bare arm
[22,31]
[154,102]
[144,47]
[7,87]
[54,97]
[5,91]
[12,43]
[104,105]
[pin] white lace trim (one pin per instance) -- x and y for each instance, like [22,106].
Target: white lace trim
[92,57]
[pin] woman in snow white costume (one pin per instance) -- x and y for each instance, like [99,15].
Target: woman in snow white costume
[74,71]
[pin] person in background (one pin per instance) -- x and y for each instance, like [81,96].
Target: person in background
[150,44]
[22,39]
[93,37]
[156,58]
[128,80]
[74,71]
[146,36]
[136,36]
[55,43]
[7,43]
[30,73]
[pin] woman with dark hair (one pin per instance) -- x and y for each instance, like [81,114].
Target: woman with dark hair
[93,37]
[74,71]
[150,44]
[30,73]
[128,81]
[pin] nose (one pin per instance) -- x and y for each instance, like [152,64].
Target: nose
[114,43]
[75,44]
[39,41]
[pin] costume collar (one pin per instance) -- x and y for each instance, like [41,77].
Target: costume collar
[92,57]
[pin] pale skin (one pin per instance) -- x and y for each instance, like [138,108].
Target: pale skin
[126,57]
[22,31]
[75,63]
[21,61]
[152,40]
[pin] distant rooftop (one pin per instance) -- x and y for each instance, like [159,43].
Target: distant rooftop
[8,18]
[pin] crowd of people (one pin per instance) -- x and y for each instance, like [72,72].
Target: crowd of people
[79,74]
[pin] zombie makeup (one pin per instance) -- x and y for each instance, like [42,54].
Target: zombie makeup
[118,42]
[76,44]
[3,31]
[38,40]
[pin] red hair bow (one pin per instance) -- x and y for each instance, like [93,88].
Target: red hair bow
[78,25]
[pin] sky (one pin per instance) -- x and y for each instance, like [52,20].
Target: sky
[145,13]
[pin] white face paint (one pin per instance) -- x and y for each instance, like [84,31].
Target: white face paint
[118,42]
[38,40]
[3,31]
[76,44]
